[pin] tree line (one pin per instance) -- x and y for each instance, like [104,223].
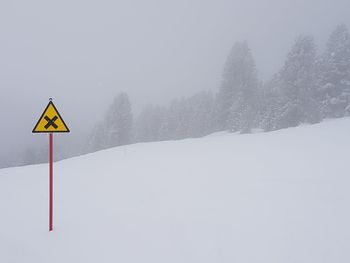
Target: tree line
[308,88]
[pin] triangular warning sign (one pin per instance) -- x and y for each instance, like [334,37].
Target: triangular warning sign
[50,121]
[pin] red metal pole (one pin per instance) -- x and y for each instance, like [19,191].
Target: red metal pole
[51,184]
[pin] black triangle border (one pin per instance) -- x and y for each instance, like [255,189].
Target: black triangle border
[42,115]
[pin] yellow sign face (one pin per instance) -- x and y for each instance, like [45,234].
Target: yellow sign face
[50,121]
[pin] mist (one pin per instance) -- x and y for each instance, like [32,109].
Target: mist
[83,53]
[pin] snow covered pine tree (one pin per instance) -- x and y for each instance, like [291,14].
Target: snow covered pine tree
[237,93]
[298,85]
[335,75]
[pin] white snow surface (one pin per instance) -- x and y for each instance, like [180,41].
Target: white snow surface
[282,196]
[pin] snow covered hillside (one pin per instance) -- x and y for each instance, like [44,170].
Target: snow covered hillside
[282,196]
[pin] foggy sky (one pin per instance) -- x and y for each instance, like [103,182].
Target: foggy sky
[82,53]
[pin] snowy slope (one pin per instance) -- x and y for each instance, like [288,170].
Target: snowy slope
[272,197]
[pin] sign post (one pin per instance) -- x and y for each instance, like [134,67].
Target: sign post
[50,122]
[51,182]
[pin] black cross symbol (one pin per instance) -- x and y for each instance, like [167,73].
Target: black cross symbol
[51,122]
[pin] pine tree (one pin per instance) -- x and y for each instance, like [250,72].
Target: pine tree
[177,121]
[115,129]
[238,90]
[183,118]
[118,122]
[201,114]
[335,74]
[269,104]
[148,124]
[298,85]
[97,139]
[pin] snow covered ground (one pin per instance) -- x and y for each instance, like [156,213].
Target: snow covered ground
[272,197]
